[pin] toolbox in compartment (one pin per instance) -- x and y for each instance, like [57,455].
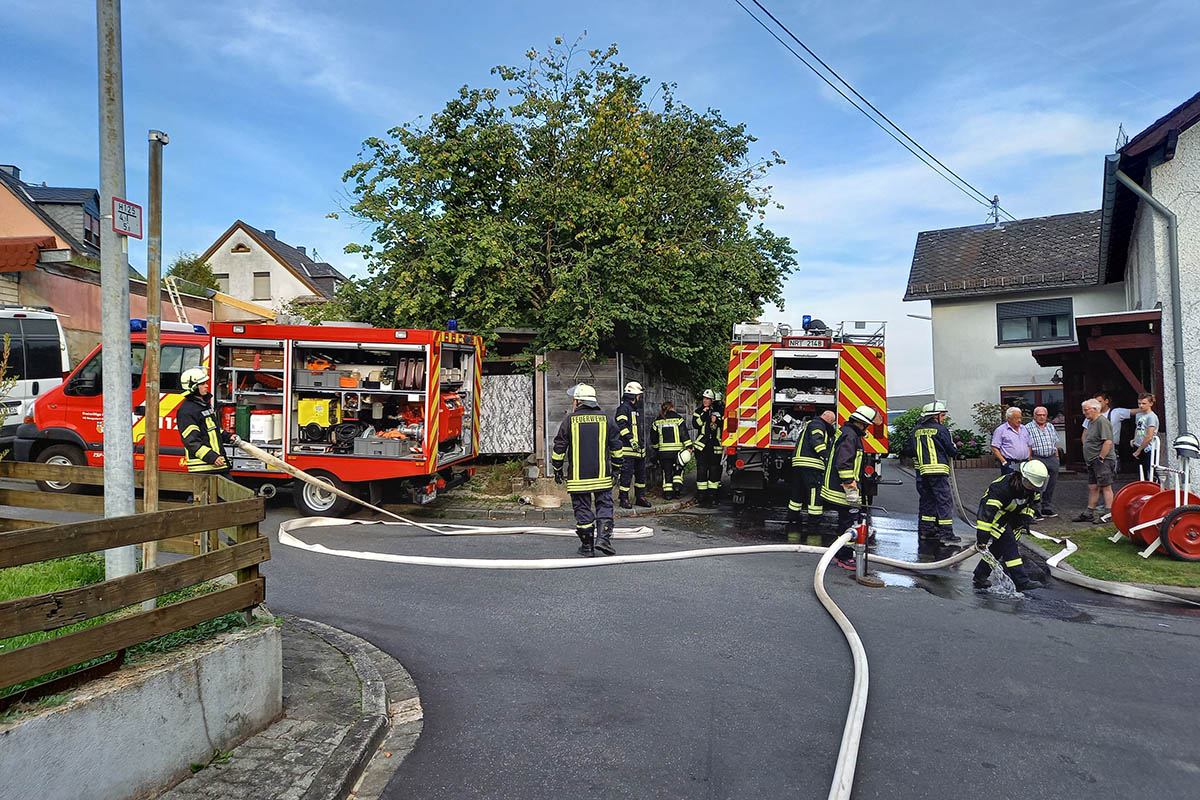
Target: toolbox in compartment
[376,446]
[253,358]
[320,378]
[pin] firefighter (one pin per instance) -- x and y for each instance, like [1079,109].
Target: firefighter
[1005,511]
[843,473]
[933,447]
[197,425]
[632,429]
[808,471]
[669,439]
[589,443]
[708,425]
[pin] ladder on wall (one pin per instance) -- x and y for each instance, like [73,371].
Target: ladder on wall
[172,285]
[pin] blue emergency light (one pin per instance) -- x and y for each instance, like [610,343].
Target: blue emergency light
[452,325]
[805,321]
[140,326]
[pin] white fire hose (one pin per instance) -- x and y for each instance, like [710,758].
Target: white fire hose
[843,776]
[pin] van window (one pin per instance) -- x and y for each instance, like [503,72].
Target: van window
[43,350]
[176,360]
[95,367]
[15,366]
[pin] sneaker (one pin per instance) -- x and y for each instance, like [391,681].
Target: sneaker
[1049,512]
[846,562]
[1037,516]
[1084,516]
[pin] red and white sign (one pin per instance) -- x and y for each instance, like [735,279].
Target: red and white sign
[126,218]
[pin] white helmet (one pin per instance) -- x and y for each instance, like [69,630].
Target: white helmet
[1036,473]
[192,379]
[685,456]
[583,393]
[865,414]
[710,394]
[1187,446]
[633,387]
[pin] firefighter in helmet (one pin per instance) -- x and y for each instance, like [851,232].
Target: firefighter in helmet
[197,425]
[589,443]
[708,424]
[1005,512]
[844,473]
[933,448]
[670,440]
[808,471]
[632,429]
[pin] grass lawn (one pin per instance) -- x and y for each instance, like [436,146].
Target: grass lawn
[1103,559]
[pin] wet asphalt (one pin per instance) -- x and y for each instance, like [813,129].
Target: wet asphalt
[724,678]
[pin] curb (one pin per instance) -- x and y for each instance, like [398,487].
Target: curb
[1182,592]
[337,776]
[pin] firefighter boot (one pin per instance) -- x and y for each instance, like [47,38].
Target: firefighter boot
[982,579]
[587,546]
[624,498]
[1022,580]
[604,540]
[640,499]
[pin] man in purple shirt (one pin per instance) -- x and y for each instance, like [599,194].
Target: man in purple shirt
[1011,442]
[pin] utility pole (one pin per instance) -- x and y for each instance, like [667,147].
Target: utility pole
[153,340]
[114,290]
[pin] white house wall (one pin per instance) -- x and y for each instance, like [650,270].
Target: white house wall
[970,367]
[1176,184]
[241,268]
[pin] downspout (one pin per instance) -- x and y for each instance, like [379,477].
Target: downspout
[1176,303]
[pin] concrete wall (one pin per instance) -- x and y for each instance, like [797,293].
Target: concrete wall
[137,731]
[240,267]
[1174,183]
[969,366]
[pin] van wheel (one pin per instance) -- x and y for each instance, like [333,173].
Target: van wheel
[65,455]
[313,501]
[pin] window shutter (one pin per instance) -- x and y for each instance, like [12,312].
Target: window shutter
[1033,308]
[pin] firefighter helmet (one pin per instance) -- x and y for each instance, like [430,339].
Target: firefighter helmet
[1035,473]
[633,387]
[685,456]
[1187,446]
[936,407]
[864,414]
[583,393]
[710,394]
[192,379]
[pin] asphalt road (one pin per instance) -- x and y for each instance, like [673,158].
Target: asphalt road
[724,678]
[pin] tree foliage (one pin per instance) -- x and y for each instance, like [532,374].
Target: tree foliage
[191,268]
[605,218]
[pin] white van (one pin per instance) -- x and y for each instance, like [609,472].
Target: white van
[37,359]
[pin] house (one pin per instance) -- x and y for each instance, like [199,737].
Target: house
[999,291]
[50,256]
[1149,248]
[253,265]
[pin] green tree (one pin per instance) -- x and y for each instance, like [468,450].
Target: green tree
[191,268]
[603,217]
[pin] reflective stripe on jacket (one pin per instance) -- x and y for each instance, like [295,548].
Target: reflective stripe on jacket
[813,445]
[844,465]
[669,433]
[584,449]
[708,425]
[1007,504]
[934,448]
[202,438]
[630,426]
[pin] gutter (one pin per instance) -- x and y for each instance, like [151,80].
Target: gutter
[1176,302]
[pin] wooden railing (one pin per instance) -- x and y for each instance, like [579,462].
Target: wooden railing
[29,541]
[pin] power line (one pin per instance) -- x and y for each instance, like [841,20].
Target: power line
[957,182]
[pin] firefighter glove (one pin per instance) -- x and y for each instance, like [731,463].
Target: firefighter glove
[852,495]
[235,440]
[983,539]
[558,476]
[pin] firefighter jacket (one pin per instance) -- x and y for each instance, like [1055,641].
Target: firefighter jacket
[708,425]
[630,426]
[669,433]
[202,438]
[813,445]
[844,465]
[584,450]
[933,447]
[1007,504]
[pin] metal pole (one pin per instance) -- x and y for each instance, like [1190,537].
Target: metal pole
[114,290]
[153,339]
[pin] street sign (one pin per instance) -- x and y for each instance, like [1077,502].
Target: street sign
[127,218]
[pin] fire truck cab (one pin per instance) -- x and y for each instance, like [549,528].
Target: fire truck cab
[386,413]
[779,378]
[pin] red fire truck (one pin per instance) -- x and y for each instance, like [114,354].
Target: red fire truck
[778,378]
[386,413]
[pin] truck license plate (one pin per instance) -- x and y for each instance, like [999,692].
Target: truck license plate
[423,498]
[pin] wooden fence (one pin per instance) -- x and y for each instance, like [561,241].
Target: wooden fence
[28,541]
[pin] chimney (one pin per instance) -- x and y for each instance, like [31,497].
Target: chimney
[303,250]
[11,170]
[270,233]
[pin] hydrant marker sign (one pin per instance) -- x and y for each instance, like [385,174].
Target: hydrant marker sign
[127,218]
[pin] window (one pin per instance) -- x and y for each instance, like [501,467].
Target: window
[1035,321]
[34,348]
[1027,398]
[240,247]
[94,368]
[222,282]
[262,286]
[175,361]
[91,229]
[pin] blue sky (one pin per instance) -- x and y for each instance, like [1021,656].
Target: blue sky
[266,104]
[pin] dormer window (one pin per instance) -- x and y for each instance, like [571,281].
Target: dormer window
[240,247]
[91,229]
